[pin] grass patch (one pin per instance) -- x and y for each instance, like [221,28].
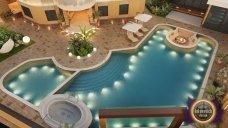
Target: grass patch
[15,50]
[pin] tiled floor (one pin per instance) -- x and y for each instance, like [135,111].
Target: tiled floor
[54,43]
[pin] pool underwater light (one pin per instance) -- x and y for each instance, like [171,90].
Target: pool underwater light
[80,96]
[150,41]
[187,56]
[193,86]
[105,91]
[131,67]
[162,46]
[12,85]
[60,77]
[90,105]
[197,77]
[27,97]
[91,95]
[22,76]
[45,67]
[96,117]
[17,91]
[33,69]
[203,61]
[153,124]
[133,59]
[145,47]
[117,125]
[126,75]
[140,53]
[117,84]
[135,125]
[200,68]
[173,53]
[37,103]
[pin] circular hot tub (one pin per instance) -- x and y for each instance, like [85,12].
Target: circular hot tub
[65,111]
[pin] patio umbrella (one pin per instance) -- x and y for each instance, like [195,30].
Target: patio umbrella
[132,27]
[143,17]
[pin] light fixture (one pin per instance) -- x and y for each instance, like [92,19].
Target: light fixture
[26,39]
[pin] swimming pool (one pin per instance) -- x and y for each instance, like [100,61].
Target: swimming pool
[153,76]
[33,81]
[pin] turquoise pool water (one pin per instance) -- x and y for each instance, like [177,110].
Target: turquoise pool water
[35,83]
[154,76]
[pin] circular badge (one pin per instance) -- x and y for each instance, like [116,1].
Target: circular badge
[203,111]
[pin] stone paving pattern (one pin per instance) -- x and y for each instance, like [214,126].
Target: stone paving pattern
[54,43]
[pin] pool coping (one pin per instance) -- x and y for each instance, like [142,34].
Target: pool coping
[78,70]
[33,60]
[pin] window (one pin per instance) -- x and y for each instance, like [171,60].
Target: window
[51,15]
[103,10]
[123,9]
[27,11]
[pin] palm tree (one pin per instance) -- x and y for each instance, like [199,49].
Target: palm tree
[96,15]
[222,57]
[213,92]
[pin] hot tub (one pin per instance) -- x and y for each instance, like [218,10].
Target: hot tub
[63,110]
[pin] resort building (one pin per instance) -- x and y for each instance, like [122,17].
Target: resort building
[78,11]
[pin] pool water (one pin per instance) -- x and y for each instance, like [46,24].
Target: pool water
[36,82]
[154,76]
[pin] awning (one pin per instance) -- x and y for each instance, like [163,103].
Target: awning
[143,17]
[132,27]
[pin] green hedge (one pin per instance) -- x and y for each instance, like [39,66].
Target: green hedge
[159,7]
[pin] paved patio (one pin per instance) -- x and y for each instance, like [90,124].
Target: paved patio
[54,43]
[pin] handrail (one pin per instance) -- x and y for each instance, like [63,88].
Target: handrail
[177,113]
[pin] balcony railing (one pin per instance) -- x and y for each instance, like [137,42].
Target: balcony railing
[75,5]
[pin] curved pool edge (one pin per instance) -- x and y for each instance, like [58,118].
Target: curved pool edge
[78,70]
[30,61]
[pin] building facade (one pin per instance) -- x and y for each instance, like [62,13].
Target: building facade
[48,11]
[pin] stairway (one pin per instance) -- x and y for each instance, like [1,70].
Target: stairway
[217,16]
[79,18]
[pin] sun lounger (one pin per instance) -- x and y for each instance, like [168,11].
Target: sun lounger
[7,47]
[139,34]
[143,29]
[131,37]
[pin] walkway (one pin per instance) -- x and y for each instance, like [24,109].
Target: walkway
[19,117]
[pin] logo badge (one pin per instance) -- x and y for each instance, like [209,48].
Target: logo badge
[203,111]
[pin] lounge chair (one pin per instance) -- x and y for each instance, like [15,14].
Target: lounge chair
[7,47]
[131,37]
[139,34]
[143,29]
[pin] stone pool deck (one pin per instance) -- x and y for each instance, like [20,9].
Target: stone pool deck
[54,43]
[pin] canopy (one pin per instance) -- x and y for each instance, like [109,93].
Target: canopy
[143,17]
[7,47]
[132,27]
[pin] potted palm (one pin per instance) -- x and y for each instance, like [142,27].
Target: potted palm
[61,19]
[80,44]
[96,15]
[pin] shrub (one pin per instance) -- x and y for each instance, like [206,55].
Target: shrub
[80,44]
[159,7]
[6,14]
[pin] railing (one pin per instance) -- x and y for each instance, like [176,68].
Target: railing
[75,5]
[177,113]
